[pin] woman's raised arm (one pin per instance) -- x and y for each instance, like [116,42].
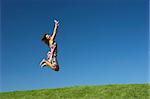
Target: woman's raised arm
[55,30]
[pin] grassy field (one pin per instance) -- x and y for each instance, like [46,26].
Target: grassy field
[116,91]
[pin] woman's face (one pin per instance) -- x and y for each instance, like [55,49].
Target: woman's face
[48,37]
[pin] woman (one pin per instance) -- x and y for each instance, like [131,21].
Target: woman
[52,54]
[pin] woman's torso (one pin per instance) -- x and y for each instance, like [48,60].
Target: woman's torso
[53,46]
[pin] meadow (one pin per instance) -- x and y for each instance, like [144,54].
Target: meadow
[114,91]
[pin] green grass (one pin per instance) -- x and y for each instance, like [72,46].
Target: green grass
[116,91]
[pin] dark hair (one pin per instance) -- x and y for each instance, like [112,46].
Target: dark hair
[45,40]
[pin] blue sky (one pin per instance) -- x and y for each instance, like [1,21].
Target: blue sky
[99,42]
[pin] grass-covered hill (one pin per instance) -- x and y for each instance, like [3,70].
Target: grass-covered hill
[116,91]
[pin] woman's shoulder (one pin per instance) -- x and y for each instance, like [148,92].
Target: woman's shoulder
[51,42]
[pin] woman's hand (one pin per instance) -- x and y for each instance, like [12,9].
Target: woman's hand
[56,22]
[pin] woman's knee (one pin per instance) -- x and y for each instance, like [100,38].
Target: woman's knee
[56,68]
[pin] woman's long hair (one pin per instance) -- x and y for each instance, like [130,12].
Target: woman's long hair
[45,40]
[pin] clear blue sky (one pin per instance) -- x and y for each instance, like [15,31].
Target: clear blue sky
[99,42]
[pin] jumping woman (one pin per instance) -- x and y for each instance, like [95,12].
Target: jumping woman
[49,40]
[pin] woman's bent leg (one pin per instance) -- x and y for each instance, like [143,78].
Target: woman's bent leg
[53,66]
